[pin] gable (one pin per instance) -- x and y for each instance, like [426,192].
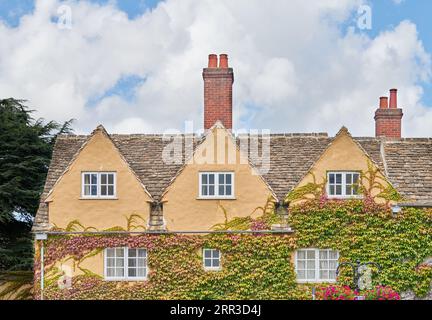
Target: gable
[183,210]
[98,154]
[345,154]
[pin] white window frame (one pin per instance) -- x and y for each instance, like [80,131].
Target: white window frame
[98,196]
[212,258]
[343,185]
[216,184]
[317,278]
[126,277]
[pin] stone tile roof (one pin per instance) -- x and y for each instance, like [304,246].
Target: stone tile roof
[409,167]
[65,148]
[291,156]
[407,162]
[144,155]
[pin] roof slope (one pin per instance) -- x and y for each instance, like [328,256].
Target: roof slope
[409,167]
[406,162]
[65,148]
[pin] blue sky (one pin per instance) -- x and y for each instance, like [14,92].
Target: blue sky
[175,33]
[12,10]
[386,15]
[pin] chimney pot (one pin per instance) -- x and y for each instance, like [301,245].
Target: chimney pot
[218,87]
[213,61]
[393,98]
[383,103]
[223,61]
[388,120]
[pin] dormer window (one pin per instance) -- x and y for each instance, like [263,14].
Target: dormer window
[216,185]
[343,184]
[98,185]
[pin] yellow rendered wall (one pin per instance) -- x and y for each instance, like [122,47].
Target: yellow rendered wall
[342,155]
[98,155]
[182,208]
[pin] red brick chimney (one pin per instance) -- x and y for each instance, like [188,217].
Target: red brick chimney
[218,83]
[388,118]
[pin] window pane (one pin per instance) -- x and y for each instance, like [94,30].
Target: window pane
[338,190]
[110,262]
[216,263]
[228,179]
[103,178]
[301,274]
[211,191]
[310,254]
[94,178]
[204,191]
[228,191]
[132,262]
[119,252]
[301,265]
[301,254]
[141,263]
[94,190]
[111,178]
[86,190]
[215,253]
[332,264]
[132,273]
[142,253]
[211,178]
[141,272]
[323,264]
[221,179]
[333,254]
[348,178]
[207,263]
[324,275]
[221,190]
[310,274]
[348,190]
[356,177]
[204,179]
[132,252]
[207,253]
[119,272]
[119,263]
[338,178]
[332,190]
[110,252]
[323,254]
[110,190]
[110,272]
[332,275]
[86,179]
[103,190]
[310,264]
[355,190]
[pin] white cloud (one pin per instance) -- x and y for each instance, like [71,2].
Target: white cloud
[294,69]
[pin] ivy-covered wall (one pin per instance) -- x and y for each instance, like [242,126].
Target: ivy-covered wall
[256,266]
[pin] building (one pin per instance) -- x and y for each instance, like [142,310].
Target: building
[126,189]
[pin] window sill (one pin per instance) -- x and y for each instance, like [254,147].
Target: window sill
[345,197]
[98,198]
[125,280]
[316,281]
[216,198]
[212,269]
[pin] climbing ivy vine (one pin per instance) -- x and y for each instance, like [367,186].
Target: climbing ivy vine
[257,266]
